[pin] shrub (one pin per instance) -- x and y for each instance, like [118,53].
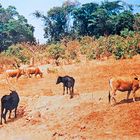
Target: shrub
[18,52]
[125,46]
[126,33]
[56,51]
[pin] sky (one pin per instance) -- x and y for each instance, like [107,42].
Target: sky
[28,7]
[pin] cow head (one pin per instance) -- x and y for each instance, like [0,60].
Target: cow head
[13,92]
[59,80]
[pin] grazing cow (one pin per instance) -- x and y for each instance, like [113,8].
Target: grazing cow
[123,84]
[8,103]
[14,73]
[68,82]
[33,70]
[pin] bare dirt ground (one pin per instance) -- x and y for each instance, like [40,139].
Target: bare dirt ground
[45,114]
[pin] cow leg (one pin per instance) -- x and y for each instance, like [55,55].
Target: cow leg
[128,95]
[16,112]
[133,92]
[73,90]
[71,93]
[113,100]
[10,114]
[40,75]
[1,114]
[17,76]
[63,89]
[1,119]
[29,75]
[67,90]
[4,115]
[35,74]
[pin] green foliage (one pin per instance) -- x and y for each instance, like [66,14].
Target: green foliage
[88,47]
[56,51]
[119,51]
[122,21]
[125,47]
[81,16]
[76,50]
[57,21]
[18,52]
[14,28]
[91,55]
[114,45]
[90,19]
[126,33]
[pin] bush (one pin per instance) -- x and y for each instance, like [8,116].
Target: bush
[19,52]
[56,51]
[125,46]
[6,60]
[126,33]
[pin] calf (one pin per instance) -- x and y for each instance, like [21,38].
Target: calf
[33,70]
[68,82]
[123,84]
[8,103]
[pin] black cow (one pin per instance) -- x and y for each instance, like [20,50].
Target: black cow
[9,102]
[68,82]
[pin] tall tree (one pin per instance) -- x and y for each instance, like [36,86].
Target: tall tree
[14,28]
[122,21]
[57,21]
[81,17]
[92,19]
[111,18]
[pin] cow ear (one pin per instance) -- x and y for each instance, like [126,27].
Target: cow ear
[11,90]
[136,78]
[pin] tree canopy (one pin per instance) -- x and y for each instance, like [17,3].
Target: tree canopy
[73,19]
[14,28]
[70,20]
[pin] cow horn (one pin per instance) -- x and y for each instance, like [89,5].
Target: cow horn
[135,75]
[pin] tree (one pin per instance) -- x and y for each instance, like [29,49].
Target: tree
[90,19]
[122,21]
[136,25]
[81,18]
[14,28]
[101,23]
[57,21]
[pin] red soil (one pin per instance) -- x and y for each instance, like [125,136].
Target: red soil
[45,114]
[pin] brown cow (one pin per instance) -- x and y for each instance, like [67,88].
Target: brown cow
[123,84]
[33,70]
[14,73]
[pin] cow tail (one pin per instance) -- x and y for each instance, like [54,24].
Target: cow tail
[1,113]
[109,97]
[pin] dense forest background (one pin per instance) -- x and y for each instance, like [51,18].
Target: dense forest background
[91,29]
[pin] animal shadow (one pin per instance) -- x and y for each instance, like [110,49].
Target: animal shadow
[124,101]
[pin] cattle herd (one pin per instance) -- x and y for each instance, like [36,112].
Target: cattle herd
[28,71]
[10,102]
